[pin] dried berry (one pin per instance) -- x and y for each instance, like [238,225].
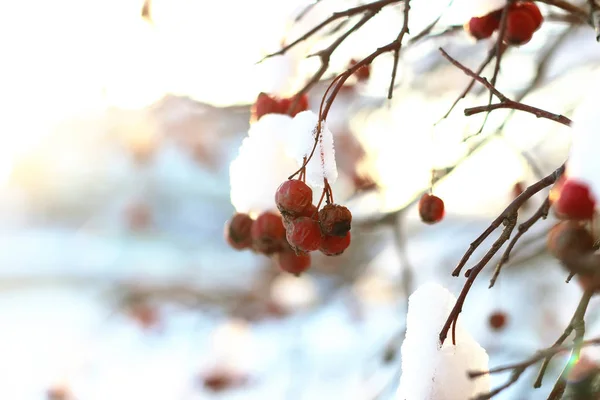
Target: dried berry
[569,239]
[304,234]
[293,197]
[483,27]
[574,201]
[335,220]
[431,209]
[293,263]
[520,26]
[497,320]
[268,233]
[237,231]
[334,245]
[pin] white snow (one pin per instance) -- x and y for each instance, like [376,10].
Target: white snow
[476,8]
[274,149]
[261,165]
[431,371]
[300,144]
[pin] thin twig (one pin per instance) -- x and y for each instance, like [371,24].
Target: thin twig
[541,213]
[505,102]
[374,6]
[403,32]
[546,354]
[509,218]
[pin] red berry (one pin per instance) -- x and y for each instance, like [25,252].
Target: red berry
[569,239]
[497,320]
[334,245]
[237,231]
[268,233]
[293,263]
[431,209]
[285,104]
[335,220]
[264,105]
[533,10]
[483,27]
[363,73]
[311,212]
[575,201]
[293,197]
[304,234]
[520,26]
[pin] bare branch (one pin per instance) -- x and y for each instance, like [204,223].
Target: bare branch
[541,213]
[509,219]
[375,6]
[505,102]
[403,32]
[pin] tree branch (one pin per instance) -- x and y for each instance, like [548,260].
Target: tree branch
[505,102]
[509,219]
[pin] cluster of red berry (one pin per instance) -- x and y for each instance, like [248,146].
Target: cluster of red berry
[431,208]
[300,229]
[266,104]
[523,19]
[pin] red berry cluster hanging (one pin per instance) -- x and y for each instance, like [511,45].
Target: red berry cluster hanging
[266,104]
[300,229]
[308,228]
[572,200]
[431,208]
[523,19]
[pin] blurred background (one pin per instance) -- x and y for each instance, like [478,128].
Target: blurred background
[119,120]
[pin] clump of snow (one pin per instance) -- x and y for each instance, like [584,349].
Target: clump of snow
[261,165]
[583,161]
[274,149]
[431,371]
[300,143]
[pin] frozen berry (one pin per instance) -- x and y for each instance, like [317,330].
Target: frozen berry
[334,245]
[293,263]
[533,10]
[264,105]
[335,220]
[285,104]
[575,201]
[237,231]
[362,73]
[268,233]
[431,209]
[569,239]
[483,27]
[304,234]
[293,197]
[520,26]
[497,320]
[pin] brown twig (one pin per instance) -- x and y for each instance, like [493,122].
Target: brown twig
[490,56]
[508,218]
[577,324]
[375,6]
[399,38]
[541,213]
[505,102]
[517,370]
